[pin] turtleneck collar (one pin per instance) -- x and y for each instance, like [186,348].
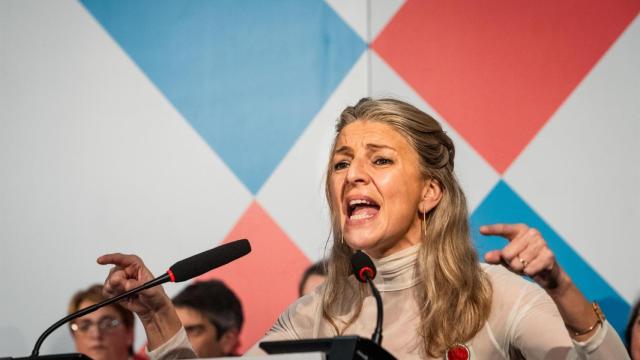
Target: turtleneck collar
[397,271]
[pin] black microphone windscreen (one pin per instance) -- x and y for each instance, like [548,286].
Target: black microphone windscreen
[361,264]
[199,264]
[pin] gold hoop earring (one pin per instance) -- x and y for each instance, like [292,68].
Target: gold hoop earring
[424,224]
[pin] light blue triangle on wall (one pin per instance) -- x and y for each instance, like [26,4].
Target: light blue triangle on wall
[248,75]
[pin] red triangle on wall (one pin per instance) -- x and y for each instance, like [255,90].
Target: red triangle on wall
[498,70]
[266,280]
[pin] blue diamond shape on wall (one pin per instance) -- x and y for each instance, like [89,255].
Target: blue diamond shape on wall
[503,205]
[249,76]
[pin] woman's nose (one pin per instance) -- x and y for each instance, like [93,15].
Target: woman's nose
[357,172]
[94,331]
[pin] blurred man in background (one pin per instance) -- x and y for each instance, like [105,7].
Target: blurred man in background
[312,277]
[212,316]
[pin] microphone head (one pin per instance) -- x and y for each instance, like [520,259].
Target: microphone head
[362,266]
[199,264]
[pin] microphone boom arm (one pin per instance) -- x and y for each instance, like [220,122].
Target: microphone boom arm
[377,333]
[157,281]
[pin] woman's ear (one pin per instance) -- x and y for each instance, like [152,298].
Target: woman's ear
[431,195]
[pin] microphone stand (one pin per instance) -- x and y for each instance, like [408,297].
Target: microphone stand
[377,333]
[36,349]
[343,347]
[70,356]
[157,281]
[339,347]
[185,269]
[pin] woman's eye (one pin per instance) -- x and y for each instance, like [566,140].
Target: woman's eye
[382,161]
[341,165]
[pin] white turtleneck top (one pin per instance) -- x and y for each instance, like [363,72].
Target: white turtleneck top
[523,323]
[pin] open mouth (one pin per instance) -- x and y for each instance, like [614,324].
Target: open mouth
[362,208]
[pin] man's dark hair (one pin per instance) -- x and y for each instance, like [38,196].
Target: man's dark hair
[319,268]
[215,301]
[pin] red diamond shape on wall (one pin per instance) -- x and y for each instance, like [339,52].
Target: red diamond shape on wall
[497,70]
[265,280]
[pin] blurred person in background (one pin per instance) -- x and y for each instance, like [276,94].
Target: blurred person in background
[632,335]
[312,277]
[211,313]
[105,334]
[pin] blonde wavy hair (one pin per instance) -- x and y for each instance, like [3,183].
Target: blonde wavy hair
[454,295]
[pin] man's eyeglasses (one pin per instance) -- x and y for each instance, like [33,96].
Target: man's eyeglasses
[104,325]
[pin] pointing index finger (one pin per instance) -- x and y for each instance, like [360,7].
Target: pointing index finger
[508,231]
[117,259]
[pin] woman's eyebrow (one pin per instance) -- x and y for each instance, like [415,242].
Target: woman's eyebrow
[370,147]
[373,147]
[343,149]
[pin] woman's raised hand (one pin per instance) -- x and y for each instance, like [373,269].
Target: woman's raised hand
[153,306]
[127,273]
[527,253]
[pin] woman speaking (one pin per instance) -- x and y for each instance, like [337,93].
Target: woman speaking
[392,193]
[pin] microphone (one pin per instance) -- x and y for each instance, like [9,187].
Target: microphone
[199,264]
[182,270]
[342,347]
[365,272]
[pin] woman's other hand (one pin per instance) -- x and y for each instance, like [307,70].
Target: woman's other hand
[127,273]
[153,306]
[527,253]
